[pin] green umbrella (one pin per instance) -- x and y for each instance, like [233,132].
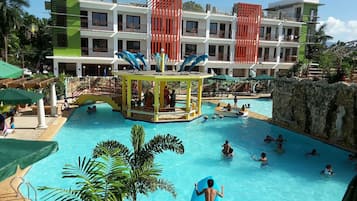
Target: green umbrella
[13,96]
[224,78]
[9,71]
[351,192]
[22,153]
[262,77]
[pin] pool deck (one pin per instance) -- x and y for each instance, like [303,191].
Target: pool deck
[26,129]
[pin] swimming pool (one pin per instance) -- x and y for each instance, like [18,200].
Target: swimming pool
[289,177]
[262,106]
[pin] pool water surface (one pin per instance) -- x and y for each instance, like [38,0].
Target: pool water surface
[290,176]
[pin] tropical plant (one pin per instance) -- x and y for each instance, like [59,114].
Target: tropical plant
[143,174]
[96,180]
[10,19]
[192,6]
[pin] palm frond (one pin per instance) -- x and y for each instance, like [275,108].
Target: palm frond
[58,194]
[137,137]
[112,148]
[162,143]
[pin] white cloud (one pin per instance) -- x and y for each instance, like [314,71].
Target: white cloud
[340,30]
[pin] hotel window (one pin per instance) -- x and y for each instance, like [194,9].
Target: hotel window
[100,45]
[120,22]
[190,49]
[120,45]
[260,52]
[213,28]
[261,32]
[99,19]
[62,40]
[61,20]
[84,46]
[191,26]
[132,22]
[212,50]
[84,19]
[133,46]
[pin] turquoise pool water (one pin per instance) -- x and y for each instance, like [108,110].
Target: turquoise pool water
[289,177]
[261,105]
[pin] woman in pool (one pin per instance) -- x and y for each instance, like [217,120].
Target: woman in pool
[328,170]
[268,139]
[263,159]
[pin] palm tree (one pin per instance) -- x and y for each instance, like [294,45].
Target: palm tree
[97,180]
[143,172]
[10,12]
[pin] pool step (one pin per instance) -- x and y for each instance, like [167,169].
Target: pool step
[12,197]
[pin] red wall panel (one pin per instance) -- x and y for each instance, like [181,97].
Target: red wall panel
[247,35]
[166,20]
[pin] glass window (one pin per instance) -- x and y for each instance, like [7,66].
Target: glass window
[261,32]
[213,28]
[120,45]
[100,45]
[84,19]
[192,26]
[62,40]
[212,50]
[132,22]
[61,20]
[190,49]
[99,19]
[120,22]
[133,46]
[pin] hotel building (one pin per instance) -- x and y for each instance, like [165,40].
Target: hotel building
[88,33]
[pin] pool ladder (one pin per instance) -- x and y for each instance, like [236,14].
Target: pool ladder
[28,186]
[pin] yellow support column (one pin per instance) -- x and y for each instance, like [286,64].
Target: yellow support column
[162,64]
[188,99]
[156,101]
[128,98]
[140,89]
[162,93]
[123,95]
[199,97]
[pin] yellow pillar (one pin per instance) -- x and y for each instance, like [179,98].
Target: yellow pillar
[199,96]
[128,98]
[156,101]
[140,89]
[123,94]
[162,64]
[162,93]
[188,98]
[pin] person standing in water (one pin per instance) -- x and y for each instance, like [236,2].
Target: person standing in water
[210,193]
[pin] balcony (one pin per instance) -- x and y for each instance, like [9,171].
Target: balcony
[88,25]
[221,34]
[97,52]
[194,32]
[135,28]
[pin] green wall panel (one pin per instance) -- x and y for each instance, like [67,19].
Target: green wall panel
[72,30]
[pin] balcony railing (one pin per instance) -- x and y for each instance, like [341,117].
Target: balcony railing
[194,32]
[221,34]
[97,52]
[88,24]
[136,28]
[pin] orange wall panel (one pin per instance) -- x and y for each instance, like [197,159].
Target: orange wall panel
[165,27]
[247,34]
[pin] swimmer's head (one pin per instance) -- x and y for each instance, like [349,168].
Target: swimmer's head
[210,183]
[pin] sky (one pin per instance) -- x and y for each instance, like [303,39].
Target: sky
[339,15]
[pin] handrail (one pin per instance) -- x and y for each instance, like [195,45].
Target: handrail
[29,185]
[17,190]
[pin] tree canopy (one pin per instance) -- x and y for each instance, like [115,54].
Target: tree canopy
[192,6]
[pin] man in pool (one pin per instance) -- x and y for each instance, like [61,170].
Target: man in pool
[227,149]
[210,193]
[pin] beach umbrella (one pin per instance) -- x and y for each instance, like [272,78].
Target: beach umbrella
[13,96]
[22,153]
[9,71]
[351,192]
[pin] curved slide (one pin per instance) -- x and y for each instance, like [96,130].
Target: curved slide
[84,98]
[202,184]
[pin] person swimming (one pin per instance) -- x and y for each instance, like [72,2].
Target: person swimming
[263,159]
[313,152]
[268,139]
[328,170]
[227,149]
